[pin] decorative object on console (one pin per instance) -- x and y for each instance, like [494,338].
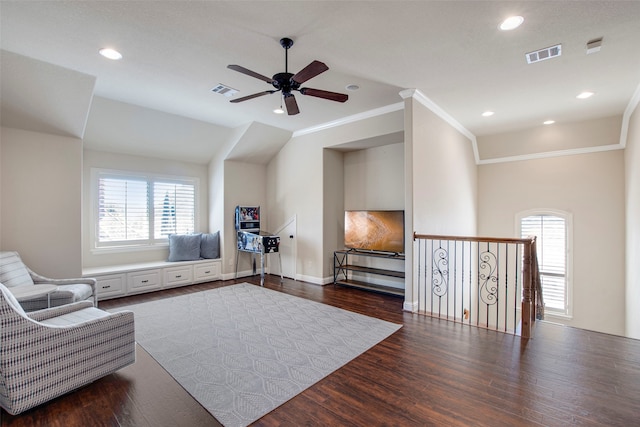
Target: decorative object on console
[14,273]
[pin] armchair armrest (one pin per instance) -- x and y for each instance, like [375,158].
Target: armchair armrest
[48,313]
[38,279]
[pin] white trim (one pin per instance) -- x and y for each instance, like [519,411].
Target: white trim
[152,243]
[314,280]
[437,110]
[294,220]
[631,107]
[572,152]
[350,119]
[411,306]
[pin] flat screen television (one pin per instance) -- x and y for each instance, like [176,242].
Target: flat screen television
[381,231]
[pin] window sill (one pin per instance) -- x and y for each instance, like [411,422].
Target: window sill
[125,249]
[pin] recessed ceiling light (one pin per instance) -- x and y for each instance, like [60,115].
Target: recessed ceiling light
[488,114]
[548,122]
[511,23]
[352,87]
[585,95]
[110,53]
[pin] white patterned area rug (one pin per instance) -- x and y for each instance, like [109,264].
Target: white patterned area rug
[243,350]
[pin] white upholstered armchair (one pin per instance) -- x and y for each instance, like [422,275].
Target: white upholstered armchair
[14,273]
[45,354]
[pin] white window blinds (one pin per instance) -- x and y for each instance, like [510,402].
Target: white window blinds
[551,233]
[142,210]
[123,213]
[173,208]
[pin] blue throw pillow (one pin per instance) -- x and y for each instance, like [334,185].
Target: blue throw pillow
[184,247]
[210,245]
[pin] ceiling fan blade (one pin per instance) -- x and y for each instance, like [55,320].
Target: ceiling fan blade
[325,94]
[291,103]
[243,70]
[309,72]
[255,95]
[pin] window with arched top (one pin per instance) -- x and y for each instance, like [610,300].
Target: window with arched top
[553,236]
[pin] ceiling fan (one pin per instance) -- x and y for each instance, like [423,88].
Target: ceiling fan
[288,82]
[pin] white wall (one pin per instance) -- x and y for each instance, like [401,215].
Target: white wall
[100,159]
[41,200]
[632,180]
[591,188]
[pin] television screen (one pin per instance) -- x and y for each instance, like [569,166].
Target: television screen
[374,230]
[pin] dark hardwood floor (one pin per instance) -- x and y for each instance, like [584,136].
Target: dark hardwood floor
[430,372]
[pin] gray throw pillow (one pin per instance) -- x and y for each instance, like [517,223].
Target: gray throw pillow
[184,247]
[210,245]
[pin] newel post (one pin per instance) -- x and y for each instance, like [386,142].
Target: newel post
[527,290]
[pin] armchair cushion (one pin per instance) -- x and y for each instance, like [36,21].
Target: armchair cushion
[13,272]
[48,353]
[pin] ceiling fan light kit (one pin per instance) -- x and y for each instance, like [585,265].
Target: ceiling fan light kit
[287,82]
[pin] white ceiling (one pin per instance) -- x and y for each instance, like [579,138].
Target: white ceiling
[452,51]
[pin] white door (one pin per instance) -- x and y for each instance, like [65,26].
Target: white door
[287,235]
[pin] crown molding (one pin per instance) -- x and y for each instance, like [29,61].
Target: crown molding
[437,110]
[631,107]
[350,119]
[549,154]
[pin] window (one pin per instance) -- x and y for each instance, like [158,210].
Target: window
[552,232]
[136,210]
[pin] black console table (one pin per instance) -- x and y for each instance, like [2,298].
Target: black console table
[347,263]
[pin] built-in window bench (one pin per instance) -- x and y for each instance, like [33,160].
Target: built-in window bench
[130,279]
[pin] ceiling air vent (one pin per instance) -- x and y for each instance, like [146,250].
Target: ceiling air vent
[224,90]
[542,54]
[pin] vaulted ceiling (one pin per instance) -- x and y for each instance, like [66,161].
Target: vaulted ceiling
[175,52]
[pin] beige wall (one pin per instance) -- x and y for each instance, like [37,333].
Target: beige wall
[296,185]
[333,203]
[632,180]
[244,185]
[595,134]
[374,178]
[99,159]
[41,200]
[440,183]
[591,188]
[444,177]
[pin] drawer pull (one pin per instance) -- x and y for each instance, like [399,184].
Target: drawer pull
[178,276]
[106,287]
[207,272]
[145,281]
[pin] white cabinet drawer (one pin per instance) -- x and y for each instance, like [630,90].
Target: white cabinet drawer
[177,276]
[207,272]
[141,281]
[109,286]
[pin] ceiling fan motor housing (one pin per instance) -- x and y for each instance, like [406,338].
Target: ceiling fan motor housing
[283,81]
